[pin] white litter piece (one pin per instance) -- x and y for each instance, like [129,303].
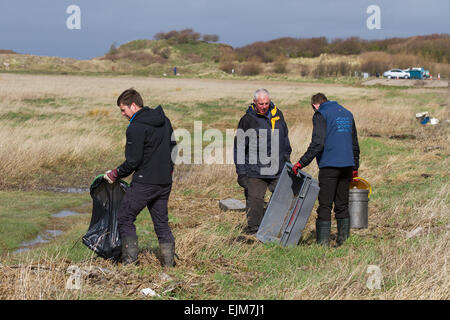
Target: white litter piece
[149,292]
[416,232]
[434,121]
[421,114]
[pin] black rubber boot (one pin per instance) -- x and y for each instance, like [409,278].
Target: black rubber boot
[167,253]
[343,231]
[130,250]
[323,232]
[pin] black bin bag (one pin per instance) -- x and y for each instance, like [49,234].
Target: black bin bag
[103,234]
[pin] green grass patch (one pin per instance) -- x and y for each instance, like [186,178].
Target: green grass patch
[24,214]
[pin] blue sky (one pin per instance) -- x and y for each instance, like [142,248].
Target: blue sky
[39,26]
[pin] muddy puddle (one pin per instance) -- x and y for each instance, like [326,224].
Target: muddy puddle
[44,237]
[47,235]
[68,190]
[65,213]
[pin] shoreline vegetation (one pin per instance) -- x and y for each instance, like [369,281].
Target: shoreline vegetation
[296,59]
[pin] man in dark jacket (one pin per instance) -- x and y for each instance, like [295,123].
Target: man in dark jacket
[261,148]
[335,146]
[148,152]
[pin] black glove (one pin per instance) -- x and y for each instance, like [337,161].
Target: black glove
[242,180]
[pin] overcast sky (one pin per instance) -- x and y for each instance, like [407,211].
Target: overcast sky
[39,26]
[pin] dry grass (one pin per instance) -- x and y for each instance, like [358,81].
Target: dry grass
[38,148]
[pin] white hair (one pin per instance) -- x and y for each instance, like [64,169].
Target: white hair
[257,92]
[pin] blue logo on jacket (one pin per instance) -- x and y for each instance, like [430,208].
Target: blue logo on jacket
[344,124]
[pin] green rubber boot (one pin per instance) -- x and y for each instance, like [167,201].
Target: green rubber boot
[323,232]
[343,231]
[167,253]
[130,250]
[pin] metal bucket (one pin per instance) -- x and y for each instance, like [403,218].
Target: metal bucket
[358,207]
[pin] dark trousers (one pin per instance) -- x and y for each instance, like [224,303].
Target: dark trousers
[334,184]
[136,198]
[256,190]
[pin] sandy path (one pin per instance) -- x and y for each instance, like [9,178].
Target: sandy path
[15,87]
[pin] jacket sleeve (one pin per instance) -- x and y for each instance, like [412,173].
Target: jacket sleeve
[287,144]
[134,151]
[241,167]
[355,146]
[173,144]
[317,140]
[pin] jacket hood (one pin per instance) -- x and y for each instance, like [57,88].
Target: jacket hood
[327,104]
[154,117]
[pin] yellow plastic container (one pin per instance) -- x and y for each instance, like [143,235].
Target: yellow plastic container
[360,183]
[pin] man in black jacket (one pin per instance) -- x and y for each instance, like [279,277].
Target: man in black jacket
[261,148]
[148,153]
[335,146]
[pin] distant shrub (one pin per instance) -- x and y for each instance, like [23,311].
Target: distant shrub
[344,68]
[113,48]
[305,70]
[348,46]
[373,62]
[227,54]
[320,70]
[227,66]
[404,61]
[159,36]
[178,37]
[332,69]
[434,48]
[3,51]
[251,68]
[280,64]
[163,52]
[210,37]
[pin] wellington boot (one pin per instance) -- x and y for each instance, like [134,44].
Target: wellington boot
[167,253]
[130,250]
[343,231]
[323,232]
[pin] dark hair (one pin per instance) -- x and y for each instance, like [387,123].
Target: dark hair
[128,97]
[318,98]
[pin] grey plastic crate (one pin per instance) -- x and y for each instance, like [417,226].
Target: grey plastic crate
[289,208]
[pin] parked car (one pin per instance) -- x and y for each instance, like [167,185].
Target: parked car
[418,73]
[396,73]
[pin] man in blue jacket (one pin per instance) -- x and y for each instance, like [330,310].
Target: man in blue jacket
[148,151]
[335,146]
[261,148]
